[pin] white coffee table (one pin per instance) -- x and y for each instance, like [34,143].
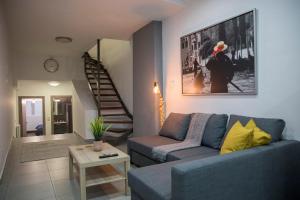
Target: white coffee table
[95,171]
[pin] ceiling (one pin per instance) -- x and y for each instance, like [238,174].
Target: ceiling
[33,24]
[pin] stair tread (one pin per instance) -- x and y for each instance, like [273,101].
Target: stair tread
[117,132]
[106,94]
[101,75]
[101,83]
[92,72]
[107,101]
[96,72]
[118,122]
[100,78]
[114,114]
[103,89]
[110,107]
[119,129]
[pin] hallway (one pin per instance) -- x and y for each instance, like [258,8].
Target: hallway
[47,179]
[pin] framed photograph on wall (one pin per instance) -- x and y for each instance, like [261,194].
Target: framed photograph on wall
[221,59]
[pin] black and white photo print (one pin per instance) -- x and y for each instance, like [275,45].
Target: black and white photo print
[220,59]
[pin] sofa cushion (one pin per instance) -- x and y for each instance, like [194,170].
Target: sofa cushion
[196,152]
[215,130]
[260,137]
[176,126]
[272,126]
[238,138]
[144,144]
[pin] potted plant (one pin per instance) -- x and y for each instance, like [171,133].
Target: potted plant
[98,128]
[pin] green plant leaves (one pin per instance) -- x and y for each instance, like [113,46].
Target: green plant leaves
[98,128]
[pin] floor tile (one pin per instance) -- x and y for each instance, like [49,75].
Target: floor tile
[49,179]
[30,168]
[38,162]
[66,187]
[59,174]
[58,163]
[29,179]
[38,191]
[68,197]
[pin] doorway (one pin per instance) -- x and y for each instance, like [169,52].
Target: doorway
[61,114]
[32,115]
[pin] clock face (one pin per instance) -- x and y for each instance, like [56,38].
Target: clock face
[51,65]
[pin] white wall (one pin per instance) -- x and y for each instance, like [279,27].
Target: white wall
[41,88]
[278,66]
[84,109]
[116,56]
[6,94]
[29,66]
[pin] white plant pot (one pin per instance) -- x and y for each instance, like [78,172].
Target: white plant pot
[98,145]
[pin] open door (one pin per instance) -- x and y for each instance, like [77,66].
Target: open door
[61,114]
[32,116]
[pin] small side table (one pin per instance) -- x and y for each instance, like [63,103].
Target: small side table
[95,171]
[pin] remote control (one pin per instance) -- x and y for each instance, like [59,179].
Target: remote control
[108,155]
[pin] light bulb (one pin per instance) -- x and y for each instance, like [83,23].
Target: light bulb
[155,88]
[54,83]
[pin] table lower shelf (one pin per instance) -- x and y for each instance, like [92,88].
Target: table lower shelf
[101,175]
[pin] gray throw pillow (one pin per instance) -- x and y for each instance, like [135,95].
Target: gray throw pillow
[214,130]
[272,126]
[176,126]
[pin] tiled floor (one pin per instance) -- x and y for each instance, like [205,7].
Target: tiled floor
[48,179]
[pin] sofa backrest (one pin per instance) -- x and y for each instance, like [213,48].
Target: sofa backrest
[215,130]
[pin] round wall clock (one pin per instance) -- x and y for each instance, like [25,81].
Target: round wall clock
[51,65]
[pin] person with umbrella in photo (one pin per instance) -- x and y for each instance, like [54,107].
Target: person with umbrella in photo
[221,69]
[198,76]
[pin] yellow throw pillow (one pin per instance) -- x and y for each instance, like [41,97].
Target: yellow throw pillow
[260,137]
[238,138]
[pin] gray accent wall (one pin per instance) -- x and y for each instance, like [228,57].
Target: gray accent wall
[147,68]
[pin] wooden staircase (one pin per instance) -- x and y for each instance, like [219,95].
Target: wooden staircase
[109,103]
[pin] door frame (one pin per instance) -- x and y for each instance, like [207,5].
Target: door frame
[52,97]
[20,111]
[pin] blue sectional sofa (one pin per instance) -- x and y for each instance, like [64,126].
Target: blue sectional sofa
[270,172]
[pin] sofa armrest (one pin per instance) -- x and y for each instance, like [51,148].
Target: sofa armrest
[263,173]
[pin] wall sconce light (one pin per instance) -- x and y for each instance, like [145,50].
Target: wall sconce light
[156,90]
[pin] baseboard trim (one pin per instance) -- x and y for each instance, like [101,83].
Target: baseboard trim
[5,160]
